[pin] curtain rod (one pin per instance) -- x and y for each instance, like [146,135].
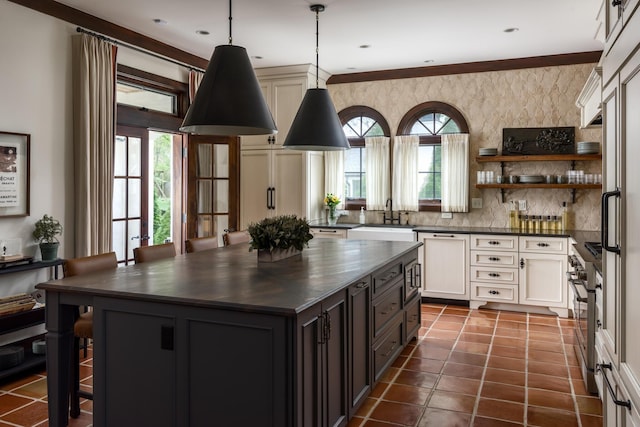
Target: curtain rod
[137,49]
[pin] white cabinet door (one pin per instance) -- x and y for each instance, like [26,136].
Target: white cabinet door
[445,265]
[261,141]
[287,95]
[542,279]
[255,186]
[288,182]
[630,228]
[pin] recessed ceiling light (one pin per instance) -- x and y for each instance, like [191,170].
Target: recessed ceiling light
[511,30]
[365,46]
[160,21]
[428,61]
[202,32]
[257,57]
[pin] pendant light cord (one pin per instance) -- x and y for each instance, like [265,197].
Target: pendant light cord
[317,45]
[230,19]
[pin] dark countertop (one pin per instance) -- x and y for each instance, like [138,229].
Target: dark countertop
[580,236]
[231,278]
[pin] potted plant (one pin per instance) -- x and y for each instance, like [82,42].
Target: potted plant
[279,237]
[45,232]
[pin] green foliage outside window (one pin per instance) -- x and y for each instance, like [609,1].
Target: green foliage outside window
[162,189]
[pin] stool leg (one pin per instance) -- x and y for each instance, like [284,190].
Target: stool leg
[75,380]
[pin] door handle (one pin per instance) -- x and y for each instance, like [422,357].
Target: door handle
[604,217]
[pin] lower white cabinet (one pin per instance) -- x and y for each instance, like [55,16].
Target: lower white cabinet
[328,233]
[445,265]
[543,266]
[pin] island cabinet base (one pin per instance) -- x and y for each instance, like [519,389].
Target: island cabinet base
[165,365]
[162,361]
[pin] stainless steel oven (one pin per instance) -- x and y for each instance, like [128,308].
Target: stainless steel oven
[583,280]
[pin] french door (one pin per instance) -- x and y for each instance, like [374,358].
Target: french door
[147,190]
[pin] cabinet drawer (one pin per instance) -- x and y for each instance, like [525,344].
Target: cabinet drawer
[498,293]
[412,279]
[494,275]
[412,319]
[328,233]
[383,279]
[387,349]
[496,242]
[550,245]
[498,259]
[386,307]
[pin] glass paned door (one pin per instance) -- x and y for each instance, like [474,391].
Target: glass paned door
[212,186]
[147,201]
[130,214]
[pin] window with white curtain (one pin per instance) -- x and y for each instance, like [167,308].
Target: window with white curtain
[429,121]
[358,122]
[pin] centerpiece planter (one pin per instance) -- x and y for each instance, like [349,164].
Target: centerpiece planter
[279,238]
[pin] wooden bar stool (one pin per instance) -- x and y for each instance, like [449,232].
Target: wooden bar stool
[198,244]
[83,326]
[153,253]
[235,237]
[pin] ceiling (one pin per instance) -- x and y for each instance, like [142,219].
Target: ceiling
[399,33]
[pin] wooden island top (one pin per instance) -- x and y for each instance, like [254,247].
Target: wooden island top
[231,277]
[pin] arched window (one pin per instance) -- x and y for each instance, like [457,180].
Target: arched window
[358,123]
[429,121]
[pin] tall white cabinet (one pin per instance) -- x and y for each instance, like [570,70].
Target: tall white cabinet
[273,180]
[617,340]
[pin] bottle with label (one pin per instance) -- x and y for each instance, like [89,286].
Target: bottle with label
[362,217]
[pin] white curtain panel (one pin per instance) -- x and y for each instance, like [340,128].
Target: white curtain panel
[455,172]
[94,135]
[334,173]
[195,78]
[405,172]
[377,173]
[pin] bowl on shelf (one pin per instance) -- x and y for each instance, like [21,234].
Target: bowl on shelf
[531,179]
[488,151]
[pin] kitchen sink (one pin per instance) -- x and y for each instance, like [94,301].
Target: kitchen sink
[402,233]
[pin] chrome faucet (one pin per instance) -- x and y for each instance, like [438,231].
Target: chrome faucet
[390,219]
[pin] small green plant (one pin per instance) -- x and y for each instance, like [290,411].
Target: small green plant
[280,232]
[47,229]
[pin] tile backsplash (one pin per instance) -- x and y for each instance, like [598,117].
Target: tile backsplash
[491,101]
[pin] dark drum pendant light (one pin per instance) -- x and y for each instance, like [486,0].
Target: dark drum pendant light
[229,100]
[316,126]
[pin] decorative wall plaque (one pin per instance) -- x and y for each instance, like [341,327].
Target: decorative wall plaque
[524,141]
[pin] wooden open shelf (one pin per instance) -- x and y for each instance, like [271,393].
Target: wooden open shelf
[540,158]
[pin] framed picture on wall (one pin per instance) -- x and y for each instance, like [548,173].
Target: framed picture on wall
[14,174]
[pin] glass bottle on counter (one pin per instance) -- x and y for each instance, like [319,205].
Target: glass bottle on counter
[566,220]
[514,219]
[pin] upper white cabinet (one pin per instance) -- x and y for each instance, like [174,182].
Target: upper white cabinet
[283,89]
[590,99]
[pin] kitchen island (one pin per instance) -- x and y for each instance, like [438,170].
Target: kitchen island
[215,337]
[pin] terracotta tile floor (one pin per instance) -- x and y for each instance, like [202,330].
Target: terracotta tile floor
[469,368]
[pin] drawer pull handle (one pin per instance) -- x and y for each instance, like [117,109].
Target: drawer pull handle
[494,242]
[389,276]
[451,236]
[615,3]
[393,347]
[494,258]
[601,367]
[543,244]
[327,231]
[521,262]
[494,275]
[494,292]
[362,285]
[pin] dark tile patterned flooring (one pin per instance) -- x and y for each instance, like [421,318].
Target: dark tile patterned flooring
[468,368]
